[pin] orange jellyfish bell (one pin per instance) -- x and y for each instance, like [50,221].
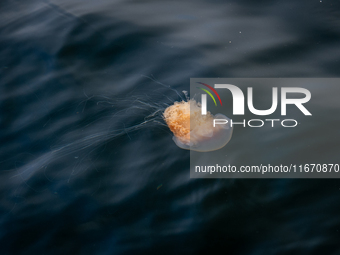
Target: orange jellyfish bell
[194,131]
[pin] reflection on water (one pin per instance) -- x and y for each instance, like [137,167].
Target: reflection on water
[72,70]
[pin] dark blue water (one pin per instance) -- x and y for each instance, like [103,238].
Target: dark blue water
[80,175]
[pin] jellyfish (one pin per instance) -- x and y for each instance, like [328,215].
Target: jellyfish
[194,131]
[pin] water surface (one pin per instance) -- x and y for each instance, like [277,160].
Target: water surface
[72,73]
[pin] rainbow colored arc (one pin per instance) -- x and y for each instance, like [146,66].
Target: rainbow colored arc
[208,92]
